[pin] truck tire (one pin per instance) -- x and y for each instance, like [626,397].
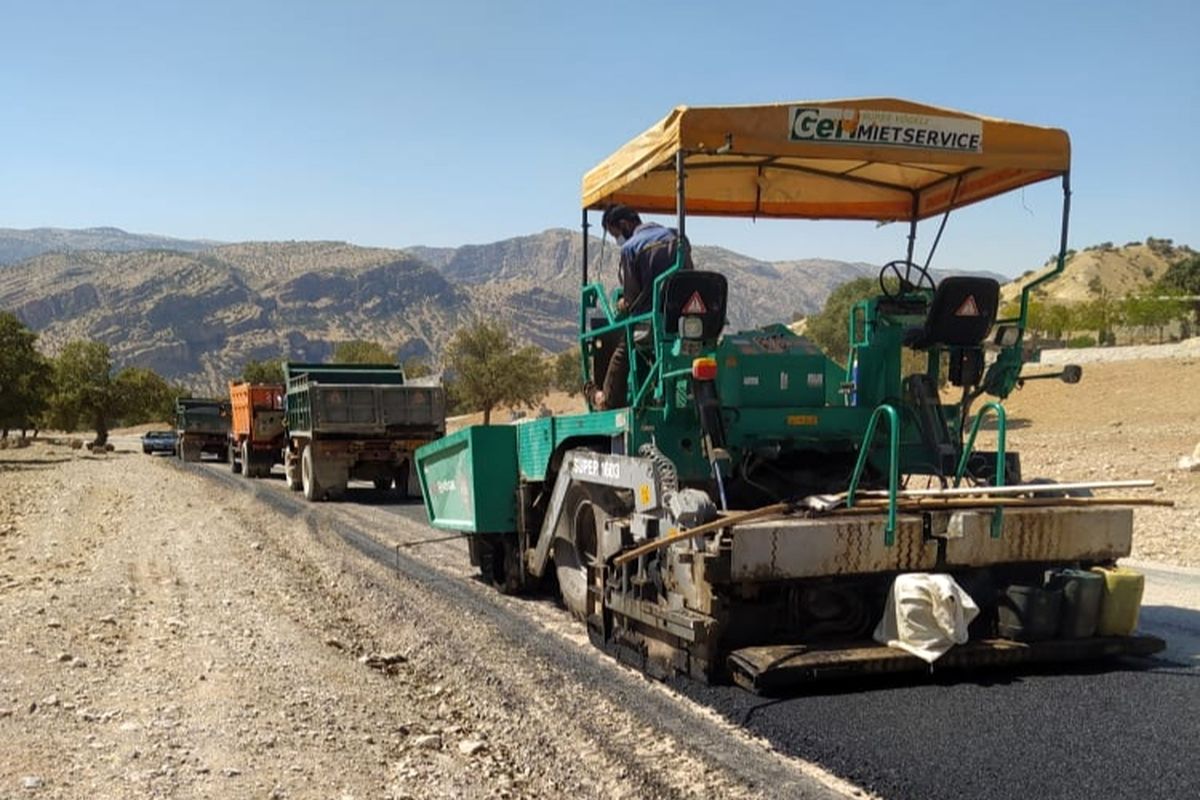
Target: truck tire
[313,491]
[291,471]
[234,466]
[404,476]
[383,484]
[249,468]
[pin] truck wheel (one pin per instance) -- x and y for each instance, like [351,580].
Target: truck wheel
[313,491]
[249,468]
[291,471]
[234,466]
[404,476]
[575,548]
[504,569]
[383,483]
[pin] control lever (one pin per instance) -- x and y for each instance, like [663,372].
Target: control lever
[1071,373]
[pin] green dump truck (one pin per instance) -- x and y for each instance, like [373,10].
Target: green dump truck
[356,422]
[202,426]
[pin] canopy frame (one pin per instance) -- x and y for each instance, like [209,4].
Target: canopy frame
[1057,164]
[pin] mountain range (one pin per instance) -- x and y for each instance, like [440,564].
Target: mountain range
[196,311]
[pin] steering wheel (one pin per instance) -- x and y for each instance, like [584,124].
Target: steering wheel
[905,271]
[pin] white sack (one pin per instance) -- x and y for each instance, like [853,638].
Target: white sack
[926,615]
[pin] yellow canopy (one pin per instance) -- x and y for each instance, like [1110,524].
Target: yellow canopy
[874,158]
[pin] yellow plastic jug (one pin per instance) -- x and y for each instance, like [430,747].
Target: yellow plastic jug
[1123,589]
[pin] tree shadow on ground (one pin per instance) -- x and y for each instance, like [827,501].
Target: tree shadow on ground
[28,464]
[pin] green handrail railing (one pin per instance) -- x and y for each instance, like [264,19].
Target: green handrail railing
[638,386]
[893,417]
[1001,431]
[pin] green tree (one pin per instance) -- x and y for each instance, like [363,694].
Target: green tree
[25,376]
[417,368]
[359,351]
[1057,320]
[1182,277]
[1100,314]
[567,377]
[1151,311]
[142,395]
[830,328]
[489,369]
[84,390]
[269,371]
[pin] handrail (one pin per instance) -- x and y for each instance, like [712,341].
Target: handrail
[889,535]
[641,386]
[1001,430]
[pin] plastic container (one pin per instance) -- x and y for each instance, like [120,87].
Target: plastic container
[1122,601]
[1028,613]
[1082,596]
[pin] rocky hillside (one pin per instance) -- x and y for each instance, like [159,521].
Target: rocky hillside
[198,316]
[18,245]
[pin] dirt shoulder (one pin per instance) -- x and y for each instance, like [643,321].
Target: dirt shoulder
[1127,419]
[168,636]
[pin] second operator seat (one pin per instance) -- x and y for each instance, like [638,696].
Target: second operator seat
[959,317]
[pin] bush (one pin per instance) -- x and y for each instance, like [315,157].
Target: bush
[1081,341]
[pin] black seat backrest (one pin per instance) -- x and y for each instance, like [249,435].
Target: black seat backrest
[695,293]
[962,312]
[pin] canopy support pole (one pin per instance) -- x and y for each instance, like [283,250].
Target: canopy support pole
[585,248]
[912,227]
[1062,254]
[679,198]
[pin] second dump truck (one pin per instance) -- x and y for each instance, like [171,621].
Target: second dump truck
[256,438]
[202,426]
[356,422]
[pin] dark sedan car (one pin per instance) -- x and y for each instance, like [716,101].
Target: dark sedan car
[158,442]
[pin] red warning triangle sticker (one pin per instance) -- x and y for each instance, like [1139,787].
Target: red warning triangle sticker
[968,308]
[694,305]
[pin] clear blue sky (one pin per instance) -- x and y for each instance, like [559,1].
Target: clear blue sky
[456,122]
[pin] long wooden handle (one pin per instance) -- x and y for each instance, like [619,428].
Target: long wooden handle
[984,503]
[691,533]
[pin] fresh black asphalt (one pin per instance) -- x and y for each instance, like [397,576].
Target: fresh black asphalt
[1123,729]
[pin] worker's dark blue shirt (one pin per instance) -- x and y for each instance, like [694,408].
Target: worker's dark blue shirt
[648,253]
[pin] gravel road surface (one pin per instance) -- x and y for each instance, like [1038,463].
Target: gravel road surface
[181,632]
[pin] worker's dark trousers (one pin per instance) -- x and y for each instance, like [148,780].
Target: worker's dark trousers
[616,379]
